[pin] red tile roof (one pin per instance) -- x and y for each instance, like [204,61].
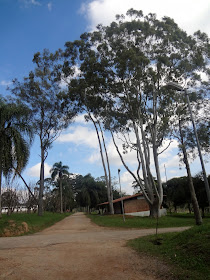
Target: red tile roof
[123,198]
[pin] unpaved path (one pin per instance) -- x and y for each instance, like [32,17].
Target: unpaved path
[76,249]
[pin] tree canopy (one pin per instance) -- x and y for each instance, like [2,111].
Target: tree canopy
[40,92]
[122,72]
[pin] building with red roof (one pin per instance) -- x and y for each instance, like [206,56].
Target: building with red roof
[134,205]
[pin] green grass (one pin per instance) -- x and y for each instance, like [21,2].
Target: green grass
[187,252]
[35,222]
[173,220]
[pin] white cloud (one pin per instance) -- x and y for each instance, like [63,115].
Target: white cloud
[80,135]
[34,2]
[28,3]
[104,11]
[130,157]
[34,171]
[166,158]
[80,119]
[173,161]
[49,6]
[126,180]
[5,83]
[167,153]
[95,158]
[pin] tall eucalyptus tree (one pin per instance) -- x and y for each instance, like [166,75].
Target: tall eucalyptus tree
[123,69]
[39,91]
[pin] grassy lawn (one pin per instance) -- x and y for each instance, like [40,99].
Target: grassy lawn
[187,252]
[173,220]
[35,223]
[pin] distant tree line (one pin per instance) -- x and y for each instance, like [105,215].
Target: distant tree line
[77,192]
[177,194]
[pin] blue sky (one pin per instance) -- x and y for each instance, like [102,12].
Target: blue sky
[29,26]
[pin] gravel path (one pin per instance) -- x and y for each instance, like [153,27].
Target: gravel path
[75,248]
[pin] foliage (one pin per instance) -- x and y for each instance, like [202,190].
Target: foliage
[60,171]
[78,191]
[10,200]
[16,135]
[178,194]
[88,191]
[52,201]
[69,202]
[201,191]
[15,138]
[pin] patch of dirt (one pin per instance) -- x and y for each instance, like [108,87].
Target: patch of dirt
[76,249]
[14,229]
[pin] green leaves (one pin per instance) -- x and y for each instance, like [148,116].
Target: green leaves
[40,92]
[16,135]
[59,170]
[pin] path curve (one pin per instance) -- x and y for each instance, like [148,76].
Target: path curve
[77,249]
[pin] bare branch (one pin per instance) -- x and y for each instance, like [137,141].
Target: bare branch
[165,148]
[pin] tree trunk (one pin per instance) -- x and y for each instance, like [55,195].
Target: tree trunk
[64,204]
[61,196]
[108,183]
[110,200]
[109,179]
[9,212]
[154,209]
[30,192]
[0,179]
[203,212]
[157,168]
[150,200]
[41,186]
[196,209]
[189,208]
[0,190]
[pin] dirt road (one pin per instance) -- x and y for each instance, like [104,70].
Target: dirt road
[76,249]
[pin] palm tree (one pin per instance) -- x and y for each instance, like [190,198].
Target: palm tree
[59,170]
[15,138]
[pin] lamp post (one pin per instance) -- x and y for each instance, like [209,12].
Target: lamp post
[180,88]
[122,205]
[165,173]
